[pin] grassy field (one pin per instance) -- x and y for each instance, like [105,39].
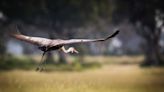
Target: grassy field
[118,74]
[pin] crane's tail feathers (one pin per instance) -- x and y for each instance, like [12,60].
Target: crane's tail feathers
[113,35]
[16,32]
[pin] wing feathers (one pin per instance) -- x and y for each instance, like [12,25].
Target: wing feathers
[113,35]
[73,41]
[33,40]
[50,43]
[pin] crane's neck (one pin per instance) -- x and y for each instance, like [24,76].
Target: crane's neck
[68,50]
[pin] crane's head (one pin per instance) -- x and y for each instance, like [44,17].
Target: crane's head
[73,50]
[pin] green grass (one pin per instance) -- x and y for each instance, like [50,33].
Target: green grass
[29,63]
[120,76]
[11,62]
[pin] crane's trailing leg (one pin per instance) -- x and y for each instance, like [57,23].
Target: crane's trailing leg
[40,67]
[69,50]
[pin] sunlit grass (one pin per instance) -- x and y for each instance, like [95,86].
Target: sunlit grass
[115,59]
[110,78]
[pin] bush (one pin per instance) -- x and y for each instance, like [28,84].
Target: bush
[9,62]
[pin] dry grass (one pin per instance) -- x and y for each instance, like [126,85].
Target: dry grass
[110,78]
[115,59]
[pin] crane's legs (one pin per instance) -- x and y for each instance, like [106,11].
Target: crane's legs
[40,66]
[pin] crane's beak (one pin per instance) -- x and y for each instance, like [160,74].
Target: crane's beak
[74,50]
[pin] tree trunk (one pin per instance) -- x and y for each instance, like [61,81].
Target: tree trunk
[153,56]
[2,46]
[3,39]
[152,35]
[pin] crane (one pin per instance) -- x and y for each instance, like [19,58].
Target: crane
[46,45]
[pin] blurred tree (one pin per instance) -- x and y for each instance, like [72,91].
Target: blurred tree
[145,15]
[2,43]
[3,24]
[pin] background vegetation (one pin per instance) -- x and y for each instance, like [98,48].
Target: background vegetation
[131,62]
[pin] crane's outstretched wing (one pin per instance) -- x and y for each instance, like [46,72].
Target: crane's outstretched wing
[50,43]
[73,41]
[33,40]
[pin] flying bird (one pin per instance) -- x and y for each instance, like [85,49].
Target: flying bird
[46,45]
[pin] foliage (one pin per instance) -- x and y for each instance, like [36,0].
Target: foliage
[143,14]
[11,62]
[57,12]
[26,63]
